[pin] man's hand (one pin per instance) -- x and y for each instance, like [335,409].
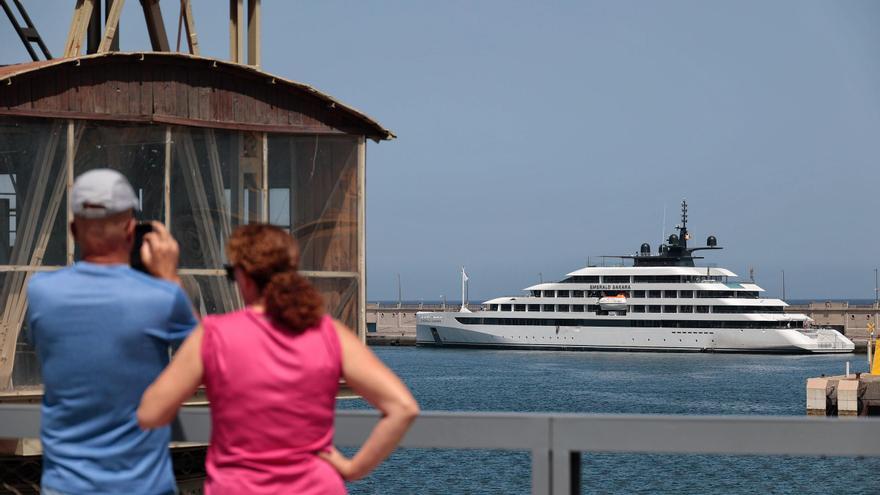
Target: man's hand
[160,253]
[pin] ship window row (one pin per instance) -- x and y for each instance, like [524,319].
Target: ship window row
[550,308]
[700,294]
[641,279]
[653,294]
[583,322]
[639,308]
[636,308]
[581,279]
[577,293]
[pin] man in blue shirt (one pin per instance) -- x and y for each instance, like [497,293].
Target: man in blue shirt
[102,331]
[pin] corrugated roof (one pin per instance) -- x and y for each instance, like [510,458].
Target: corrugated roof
[10,71]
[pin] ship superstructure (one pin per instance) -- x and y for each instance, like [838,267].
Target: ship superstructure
[663,302]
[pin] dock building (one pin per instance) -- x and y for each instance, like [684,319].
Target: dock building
[207,144]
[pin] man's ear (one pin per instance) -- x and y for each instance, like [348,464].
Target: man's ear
[129,228]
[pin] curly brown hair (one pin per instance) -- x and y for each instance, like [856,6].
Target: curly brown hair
[270,256]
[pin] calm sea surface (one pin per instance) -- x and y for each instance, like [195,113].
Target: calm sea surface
[586,382]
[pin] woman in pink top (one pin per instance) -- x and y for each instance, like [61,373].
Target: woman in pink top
[272,373]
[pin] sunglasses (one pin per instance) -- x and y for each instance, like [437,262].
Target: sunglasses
[230,272]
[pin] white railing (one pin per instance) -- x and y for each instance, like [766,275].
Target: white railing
[556,441]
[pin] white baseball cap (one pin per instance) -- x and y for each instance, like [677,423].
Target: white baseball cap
[100,193]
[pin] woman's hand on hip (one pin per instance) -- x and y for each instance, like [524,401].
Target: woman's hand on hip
[343,465]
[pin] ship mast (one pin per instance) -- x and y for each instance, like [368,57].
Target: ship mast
[683,235]
[675,251]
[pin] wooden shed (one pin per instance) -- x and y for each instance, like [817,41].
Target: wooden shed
[208,145]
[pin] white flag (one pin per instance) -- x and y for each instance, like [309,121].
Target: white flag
[464,276]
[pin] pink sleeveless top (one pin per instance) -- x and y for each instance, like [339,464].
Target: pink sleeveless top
[273,394]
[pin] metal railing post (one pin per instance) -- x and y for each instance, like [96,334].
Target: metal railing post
[562,470]
[574,472]
[541,466]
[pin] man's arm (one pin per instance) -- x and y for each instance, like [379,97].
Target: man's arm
[34,298]
[161,254]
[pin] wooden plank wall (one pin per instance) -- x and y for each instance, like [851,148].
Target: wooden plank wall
[183,91]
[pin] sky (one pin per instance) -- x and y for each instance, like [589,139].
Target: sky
[533,135]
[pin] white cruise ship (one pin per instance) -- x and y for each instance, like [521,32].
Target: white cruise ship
[661,303]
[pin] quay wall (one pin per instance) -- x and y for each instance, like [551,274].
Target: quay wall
[850,319]
[390,324]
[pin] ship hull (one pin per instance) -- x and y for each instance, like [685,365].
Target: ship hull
[443,330]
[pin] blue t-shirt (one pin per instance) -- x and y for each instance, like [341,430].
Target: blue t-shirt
[102,334]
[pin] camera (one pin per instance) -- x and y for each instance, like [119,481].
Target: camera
[140,230]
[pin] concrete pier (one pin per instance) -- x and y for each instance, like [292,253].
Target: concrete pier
[390,324]
[853,395]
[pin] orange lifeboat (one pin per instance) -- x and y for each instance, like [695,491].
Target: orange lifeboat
[613,303]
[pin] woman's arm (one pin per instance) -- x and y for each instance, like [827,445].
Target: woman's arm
[177,383]
[370,378]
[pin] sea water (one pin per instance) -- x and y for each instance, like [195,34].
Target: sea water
[599,382]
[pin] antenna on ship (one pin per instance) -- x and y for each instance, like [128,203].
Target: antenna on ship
[683,235]
[663,225]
